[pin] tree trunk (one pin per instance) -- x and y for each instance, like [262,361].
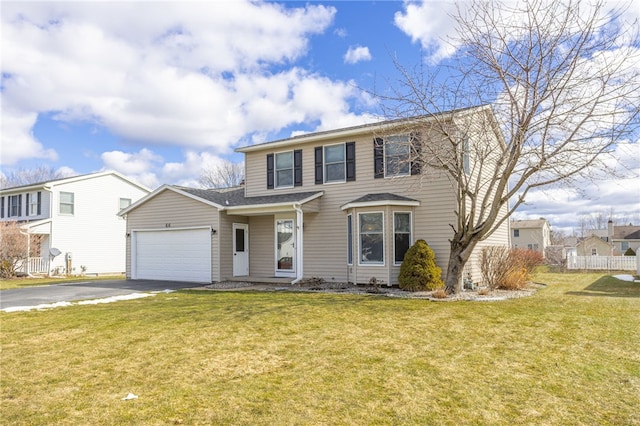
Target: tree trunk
[458,257]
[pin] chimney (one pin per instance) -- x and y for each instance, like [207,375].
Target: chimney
[609,231]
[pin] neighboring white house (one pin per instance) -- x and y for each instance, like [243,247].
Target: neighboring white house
[531,234]
[77,219]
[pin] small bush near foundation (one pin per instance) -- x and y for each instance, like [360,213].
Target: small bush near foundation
[629,252]
[528,259]
[419,271]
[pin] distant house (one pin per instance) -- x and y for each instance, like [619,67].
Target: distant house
[594,246]
[77,220]
[531,234]
[623,237]
[342,205]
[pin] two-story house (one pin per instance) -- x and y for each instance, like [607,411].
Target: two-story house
[341,205]
[531,235]
[77,220]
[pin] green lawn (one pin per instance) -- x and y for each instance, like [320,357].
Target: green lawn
[568,355]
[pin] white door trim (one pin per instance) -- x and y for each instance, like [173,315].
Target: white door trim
[240,257]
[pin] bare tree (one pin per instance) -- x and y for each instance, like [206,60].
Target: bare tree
[563,80]
[223,175]
[22,177]
[16,247]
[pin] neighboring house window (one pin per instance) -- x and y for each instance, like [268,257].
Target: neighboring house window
[34,201]
[516,232]
[335,163]
[397,155]
[532,246]
[124,203]
[371,237]
[66,203]
[401,235]
[594,252]
[284,169]
[15,205]
[349,240]
[624,245]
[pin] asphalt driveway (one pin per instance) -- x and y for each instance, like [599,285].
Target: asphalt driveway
[84,290]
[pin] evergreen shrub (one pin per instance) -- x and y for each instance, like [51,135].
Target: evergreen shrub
[419,271]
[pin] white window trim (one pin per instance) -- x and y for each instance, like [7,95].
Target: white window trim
[384,155]
[33,201]
[324,164]
[275,170]
[350,239]
[72,204]
[360,263]
[394,233]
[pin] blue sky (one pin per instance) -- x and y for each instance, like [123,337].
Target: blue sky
[160,90]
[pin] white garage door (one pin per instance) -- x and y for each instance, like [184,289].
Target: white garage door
[180,255]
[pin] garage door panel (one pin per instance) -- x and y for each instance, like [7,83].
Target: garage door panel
[181,255]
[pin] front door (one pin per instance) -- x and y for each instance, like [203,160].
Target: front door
[285,248]
[240,249]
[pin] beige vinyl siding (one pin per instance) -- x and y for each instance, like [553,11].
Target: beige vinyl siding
[325,245]
[177,211]
[261,246]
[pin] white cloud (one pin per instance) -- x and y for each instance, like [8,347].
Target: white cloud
[206,76]
[357,54]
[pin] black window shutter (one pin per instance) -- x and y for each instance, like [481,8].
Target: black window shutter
[39,202]
[1,206]
[318,165]
[269,171]
[378,158]
[416,153]
[297,167]
[350,151]
[20,205]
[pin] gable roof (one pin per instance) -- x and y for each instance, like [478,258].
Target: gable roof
[348,132]
[48,184]
[633,236]
[526,224]
[624,231]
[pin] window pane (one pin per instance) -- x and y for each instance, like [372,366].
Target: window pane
[334,153]
[397,156]
[335,172]
[284,160]
[371,248]
[284,178]
[239,240]
[401,246]
[371,222]
[402,222]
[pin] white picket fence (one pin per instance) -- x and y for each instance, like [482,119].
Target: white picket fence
[602,263]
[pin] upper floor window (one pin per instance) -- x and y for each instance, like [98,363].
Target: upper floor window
[401,235]
[15,205]
[66,203]
[284,169]
[34,200]
[397,155]
[335,163]
[516,232]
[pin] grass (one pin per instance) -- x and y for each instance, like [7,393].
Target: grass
[32,282]
[568,355]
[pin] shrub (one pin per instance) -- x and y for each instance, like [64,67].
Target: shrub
[508,269]
[629,252]
[419,271]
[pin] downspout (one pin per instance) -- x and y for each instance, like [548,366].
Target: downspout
[299,247]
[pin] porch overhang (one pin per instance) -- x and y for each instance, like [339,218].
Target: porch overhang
[269,205]
[37,227]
